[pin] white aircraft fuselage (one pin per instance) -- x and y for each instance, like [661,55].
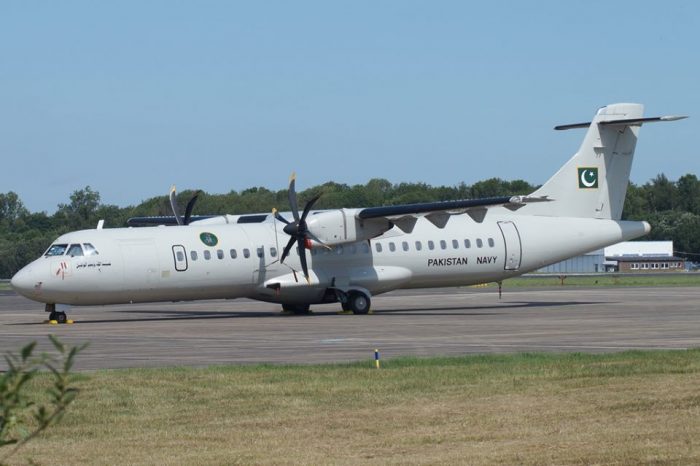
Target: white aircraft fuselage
[355,253]
[143,264]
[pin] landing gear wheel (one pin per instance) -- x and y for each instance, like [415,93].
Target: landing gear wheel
[61,317]
[296,309]
[358,302]
[53,316]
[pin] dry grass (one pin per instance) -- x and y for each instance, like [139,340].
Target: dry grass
[628,408]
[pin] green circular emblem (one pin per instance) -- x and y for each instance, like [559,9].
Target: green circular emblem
[209,239]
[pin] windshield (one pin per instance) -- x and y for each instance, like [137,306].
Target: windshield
[56,250]
[75,250]
[89,249]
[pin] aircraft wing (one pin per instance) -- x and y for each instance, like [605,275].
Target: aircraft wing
[164,220]
[448,207]
[439,212]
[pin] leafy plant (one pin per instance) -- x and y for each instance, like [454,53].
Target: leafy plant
[17,405]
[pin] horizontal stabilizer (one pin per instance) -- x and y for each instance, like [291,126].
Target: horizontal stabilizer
[622,122]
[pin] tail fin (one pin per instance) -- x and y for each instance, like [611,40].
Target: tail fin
[593,183]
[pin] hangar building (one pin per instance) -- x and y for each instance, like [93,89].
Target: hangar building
[628,256]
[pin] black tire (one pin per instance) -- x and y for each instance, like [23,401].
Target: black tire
[61,317]
[358,302]
[53,315]
[296,308]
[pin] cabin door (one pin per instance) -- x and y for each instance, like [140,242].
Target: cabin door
[511,239]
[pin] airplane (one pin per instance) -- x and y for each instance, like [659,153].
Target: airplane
[348,256]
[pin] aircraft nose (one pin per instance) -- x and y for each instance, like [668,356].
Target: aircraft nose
[23,282]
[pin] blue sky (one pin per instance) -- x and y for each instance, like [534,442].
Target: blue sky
[130,97]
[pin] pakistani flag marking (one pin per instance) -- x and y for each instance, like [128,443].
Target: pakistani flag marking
[588,177]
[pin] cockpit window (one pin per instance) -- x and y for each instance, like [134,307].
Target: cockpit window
[75,250]
[90,249]
[56,250]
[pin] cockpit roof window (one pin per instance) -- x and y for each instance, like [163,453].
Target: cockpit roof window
[56,250]
[90,249]
[75,250]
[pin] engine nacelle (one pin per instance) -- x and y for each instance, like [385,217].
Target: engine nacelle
[341,226]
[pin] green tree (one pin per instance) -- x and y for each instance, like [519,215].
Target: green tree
[82,209]
[11,207]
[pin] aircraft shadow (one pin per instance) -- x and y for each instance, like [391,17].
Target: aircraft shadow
[504,306]
[172,315]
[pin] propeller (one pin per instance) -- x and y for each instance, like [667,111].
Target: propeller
[188,209]
[297,229]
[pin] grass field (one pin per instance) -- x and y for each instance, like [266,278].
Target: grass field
[624,408]
[688,279]
[5,286]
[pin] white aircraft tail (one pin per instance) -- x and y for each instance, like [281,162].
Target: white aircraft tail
[593,183]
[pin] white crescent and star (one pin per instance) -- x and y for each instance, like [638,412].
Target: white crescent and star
[585,176]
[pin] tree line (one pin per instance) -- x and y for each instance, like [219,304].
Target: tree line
[672,208]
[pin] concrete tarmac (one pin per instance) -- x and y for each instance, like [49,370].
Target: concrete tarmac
[449,321]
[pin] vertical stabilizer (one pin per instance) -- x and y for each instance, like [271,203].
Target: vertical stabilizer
[593,183]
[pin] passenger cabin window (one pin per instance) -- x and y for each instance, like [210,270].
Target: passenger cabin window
[233,253]
[492,243]
[273,251]
[246,253]
[378,247]
[392,246]
[467,243]
[260,251]
[431,245]
[89,249]
[207,254]
[75,250]
[404,245]
[56,250]
[455,244]
[220,253]
[180,256]
[419,245]
[479,243]
[443,244]
[365,248]
[193,255]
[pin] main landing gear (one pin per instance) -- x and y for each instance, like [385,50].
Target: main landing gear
[356,301]
[56,316]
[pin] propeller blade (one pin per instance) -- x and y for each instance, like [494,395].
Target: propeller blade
[308,206]
[190,206]
[302,258]
[292,195]
[287,248]
[173,204]
[280,218]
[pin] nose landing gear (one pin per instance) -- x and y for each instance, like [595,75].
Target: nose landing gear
[58,317]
